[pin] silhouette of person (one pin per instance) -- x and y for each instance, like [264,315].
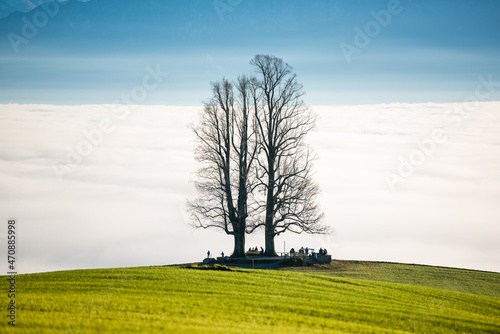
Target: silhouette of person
[208,254]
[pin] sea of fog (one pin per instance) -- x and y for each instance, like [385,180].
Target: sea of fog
[105,186]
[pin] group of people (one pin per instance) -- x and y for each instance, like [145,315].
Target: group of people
[255,249]
[303,250]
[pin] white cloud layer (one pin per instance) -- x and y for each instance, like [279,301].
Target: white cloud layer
[123,203]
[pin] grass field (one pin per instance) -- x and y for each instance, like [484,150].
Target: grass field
[460,280]
[179,300]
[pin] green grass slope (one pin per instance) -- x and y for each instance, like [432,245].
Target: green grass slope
[178,300]
[461,280]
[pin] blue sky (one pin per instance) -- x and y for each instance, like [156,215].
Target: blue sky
[84,54]
[91,52]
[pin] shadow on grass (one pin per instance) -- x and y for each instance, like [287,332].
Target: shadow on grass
[216,267]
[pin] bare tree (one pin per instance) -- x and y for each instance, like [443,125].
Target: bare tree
[284,166]
[251,143]
[226,149]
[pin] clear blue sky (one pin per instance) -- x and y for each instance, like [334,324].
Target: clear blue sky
[93,51]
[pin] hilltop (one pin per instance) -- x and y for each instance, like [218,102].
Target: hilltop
[220,299]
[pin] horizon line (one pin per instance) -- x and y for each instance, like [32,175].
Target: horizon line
[201,105]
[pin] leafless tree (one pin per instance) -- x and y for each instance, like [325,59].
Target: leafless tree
[226,149]
[256,170]
[283,168]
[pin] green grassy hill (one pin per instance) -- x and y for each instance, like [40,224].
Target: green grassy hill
[179,300]
[460,280]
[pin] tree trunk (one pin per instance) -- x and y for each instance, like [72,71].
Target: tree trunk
[239,243]
[269,227]
[270,242]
